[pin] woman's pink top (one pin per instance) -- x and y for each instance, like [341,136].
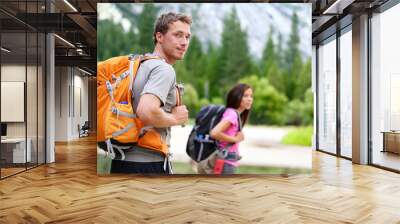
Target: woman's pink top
[232,116]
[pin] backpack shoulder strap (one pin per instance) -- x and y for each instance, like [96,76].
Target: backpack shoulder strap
[179,92]
[147,57]
[133,67]
[239,120]
[135,61]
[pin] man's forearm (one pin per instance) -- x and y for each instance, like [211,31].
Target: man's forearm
[159,118]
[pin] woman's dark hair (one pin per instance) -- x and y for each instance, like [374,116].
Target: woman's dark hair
[234,99]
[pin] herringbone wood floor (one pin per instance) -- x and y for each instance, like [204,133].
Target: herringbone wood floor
[69,191]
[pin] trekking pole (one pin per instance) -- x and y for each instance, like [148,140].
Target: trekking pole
[181,90]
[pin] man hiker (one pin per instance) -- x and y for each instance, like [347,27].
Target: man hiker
[154,95]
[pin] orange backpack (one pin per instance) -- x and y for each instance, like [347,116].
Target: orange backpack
[117,123]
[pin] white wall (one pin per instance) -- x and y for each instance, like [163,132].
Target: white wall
[79,112]
[69,85]
[13,73]
[61,103]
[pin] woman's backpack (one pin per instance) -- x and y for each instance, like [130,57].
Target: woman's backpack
[200,145]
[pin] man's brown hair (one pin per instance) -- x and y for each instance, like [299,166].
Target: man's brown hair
[162,23]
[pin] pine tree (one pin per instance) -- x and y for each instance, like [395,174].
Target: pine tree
[145,25]
[279,51]
[304,81]
[292,50]
[290,78]
[194,63]
[211,73]
[108,46]
[234,60]
[194,53]
[182,74]
[293,62]
[276,77]
[269,55]
[270,63]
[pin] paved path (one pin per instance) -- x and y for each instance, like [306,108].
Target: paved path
[261,147]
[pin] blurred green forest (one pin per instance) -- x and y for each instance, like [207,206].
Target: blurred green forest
[281,79]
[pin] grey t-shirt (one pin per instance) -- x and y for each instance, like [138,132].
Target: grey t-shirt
[155,77]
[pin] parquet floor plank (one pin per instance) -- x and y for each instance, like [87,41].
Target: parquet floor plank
[69,191]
